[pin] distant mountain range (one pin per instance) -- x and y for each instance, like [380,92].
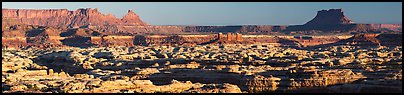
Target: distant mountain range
[326,21]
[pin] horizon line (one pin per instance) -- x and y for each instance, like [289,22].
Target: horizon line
[183,25]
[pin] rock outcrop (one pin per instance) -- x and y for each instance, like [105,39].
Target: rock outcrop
[252,68]
[88,27]
[334,20]
[131,24]
[64,18]
[369,40]
[329,17]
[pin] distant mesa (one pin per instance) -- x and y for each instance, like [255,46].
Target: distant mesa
[333,20]
[330,17]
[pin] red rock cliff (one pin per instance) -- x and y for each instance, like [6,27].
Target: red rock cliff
[66,18]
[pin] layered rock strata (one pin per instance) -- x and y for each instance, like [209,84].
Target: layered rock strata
[66,18]
[326,20]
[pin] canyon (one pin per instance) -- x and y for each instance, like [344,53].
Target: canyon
[227,68]
[85,51]
[88,27]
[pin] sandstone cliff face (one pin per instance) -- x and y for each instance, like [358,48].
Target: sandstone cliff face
[65,18]
[132,19]
[394,27]
[48,37]
[48,28]
[241,28]
[367,40]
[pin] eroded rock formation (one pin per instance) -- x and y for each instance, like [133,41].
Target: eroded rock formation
[329,17]
[231,68]
[128,56]
[66,18]
[332,20]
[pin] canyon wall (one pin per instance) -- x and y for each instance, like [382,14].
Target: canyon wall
[46,39]
[64,18]
[131,24]
[109,24]
[196,29]
[88,27]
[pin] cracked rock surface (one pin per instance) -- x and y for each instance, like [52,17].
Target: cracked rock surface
[229,68]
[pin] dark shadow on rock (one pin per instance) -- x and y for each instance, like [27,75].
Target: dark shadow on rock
[34,32]
[390,39]
[59,64]
[363,41]
[195,75]
[289,43]
[140,40]
[210,42]
[77,41]
[68,32]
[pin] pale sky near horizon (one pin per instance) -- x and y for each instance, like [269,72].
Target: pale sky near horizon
[230,13]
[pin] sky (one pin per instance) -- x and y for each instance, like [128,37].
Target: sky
[230,13]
